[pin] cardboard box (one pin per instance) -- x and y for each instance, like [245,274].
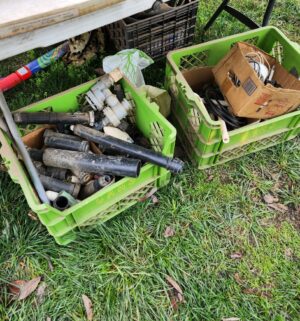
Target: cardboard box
[250,97]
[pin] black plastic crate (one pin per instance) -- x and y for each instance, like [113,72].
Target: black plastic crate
[159,34]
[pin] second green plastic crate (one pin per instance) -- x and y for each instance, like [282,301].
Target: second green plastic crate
[199,134]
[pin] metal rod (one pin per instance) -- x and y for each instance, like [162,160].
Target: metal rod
[23,151]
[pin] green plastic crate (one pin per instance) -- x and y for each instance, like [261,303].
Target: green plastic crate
[113,199]
[198,133]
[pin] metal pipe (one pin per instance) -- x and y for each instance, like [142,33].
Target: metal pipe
[23,151]
[175,165]
[26,118]
[57,185]
[92,163]
[66,143]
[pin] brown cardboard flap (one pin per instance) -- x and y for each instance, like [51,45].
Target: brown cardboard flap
[250,97]
[198,77]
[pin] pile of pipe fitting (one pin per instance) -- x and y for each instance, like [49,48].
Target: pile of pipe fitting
[86,151]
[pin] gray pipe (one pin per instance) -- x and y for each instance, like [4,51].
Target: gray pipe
[23,151]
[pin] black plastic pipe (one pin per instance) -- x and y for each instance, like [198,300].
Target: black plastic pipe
[92,163]
[95,186]
[52,133]
[56,185]
[66,143]
[109,143]
[61,203]
[35,154]
[52,118]
[54,172]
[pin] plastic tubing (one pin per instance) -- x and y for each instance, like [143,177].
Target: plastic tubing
[106,142]
[91,163]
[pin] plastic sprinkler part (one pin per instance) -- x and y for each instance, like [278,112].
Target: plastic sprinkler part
[109,143]
[81,177]
[92,163]
[65,143]
[58,173]
[51,195]
[26,118]
[52,133]
[57,185]
[63,201]
[95,97]
[116,110]
[95,185]
[117,133]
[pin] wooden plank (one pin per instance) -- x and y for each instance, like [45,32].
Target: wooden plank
[59,32]
[19,16]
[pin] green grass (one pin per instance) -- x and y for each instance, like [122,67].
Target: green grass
[122,265]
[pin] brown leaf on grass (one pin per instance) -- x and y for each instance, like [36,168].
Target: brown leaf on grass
[22,289]
[154,199]
[238,278]
[14,287]
[40,292]
[279,207]
[231,319]
[174,284]
[48,319]
[88,307]
[236,255]
[269,199]
[210,178]
[176,295]
[32,215]
[258,292]
[288,252]
[169,232]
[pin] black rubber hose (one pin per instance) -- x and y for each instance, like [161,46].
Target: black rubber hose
[66,143]
[92,163]
[56,185]
[109,143]
[51,118]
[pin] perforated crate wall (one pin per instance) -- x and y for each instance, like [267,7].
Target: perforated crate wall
[159,34]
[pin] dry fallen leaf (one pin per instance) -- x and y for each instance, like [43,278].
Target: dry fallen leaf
[176,296]
[236,255]
[32,215]
[269,199]
[48,319]
[237,278]
[14,287]
[23,289]
[40,292]
[154,199]
[169,232]
[288,252]
[279,207]
[88,307]
[174,284]
[231,319]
